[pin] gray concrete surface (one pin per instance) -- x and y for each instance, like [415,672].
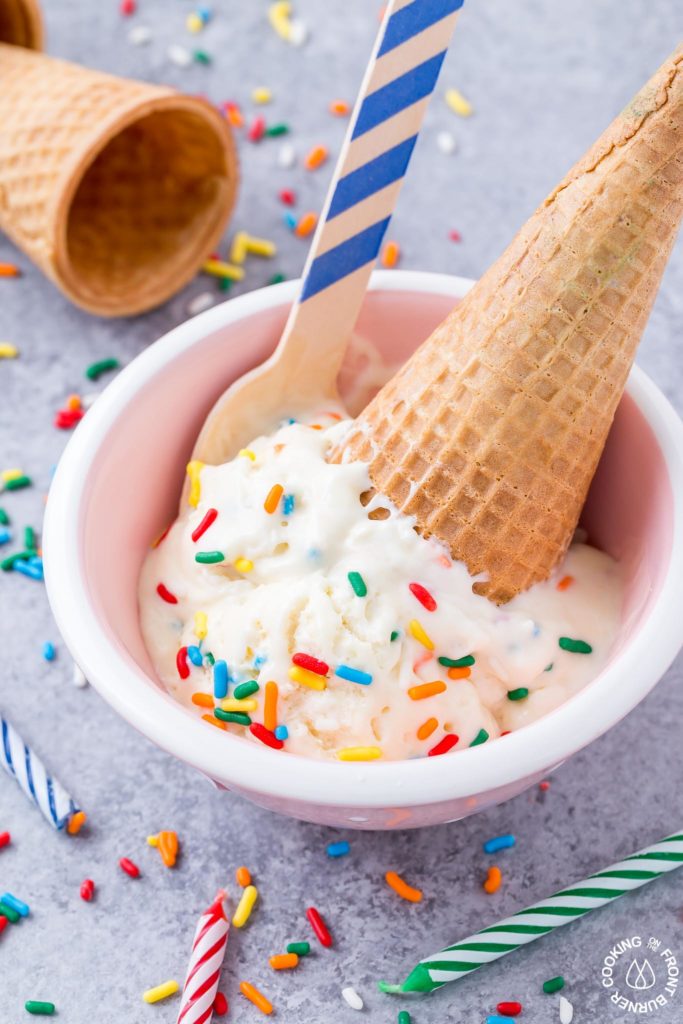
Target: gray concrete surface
[544,78]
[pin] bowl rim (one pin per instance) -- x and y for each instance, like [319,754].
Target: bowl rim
[248,766]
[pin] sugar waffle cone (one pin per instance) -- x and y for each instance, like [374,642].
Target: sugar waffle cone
[21,23]
[491,433]
[117,190]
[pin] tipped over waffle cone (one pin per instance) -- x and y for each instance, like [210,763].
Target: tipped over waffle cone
[117,190]
[492,431]
[21,23]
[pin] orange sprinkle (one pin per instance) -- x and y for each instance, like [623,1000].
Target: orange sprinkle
[73,403]
[256,997]
[390,254]
[273,498]
[167,843]
[565,583]
[493,880]
[214,721]
[76,823]
[202,700]
[401,888]
[427,728]
[243,877]
[460,673]
[306,225]
[317,156]
[426,690]
[445,561]
[283,961]
[233,115]
[9,270]
[270,706]
[339,108]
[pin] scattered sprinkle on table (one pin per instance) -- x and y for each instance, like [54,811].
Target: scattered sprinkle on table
[257,998]
[286,157]
[566,1011]
[351,998]
[5,839]
[456,102]
[243,877]
[322,932]
[340,108]
[299,948]
[339,849]
[131,869]
[445,143]
[159,992]
[245,906]
[574,646]
[39,1008]
[553,984]
[220,1005]
[509,1008]
[21,908]
[140,35]
[306,224]
[284,961]
[95,370]
[493,881]
[390,254]
[499,843]
[9,270]
[87,890]
[48,651]
[8,351]
[404,1017]
[401,887]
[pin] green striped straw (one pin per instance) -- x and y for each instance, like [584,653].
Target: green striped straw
[526,926]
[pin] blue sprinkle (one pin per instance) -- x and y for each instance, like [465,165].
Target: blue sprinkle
[5,536]
[288,504]
[220,680]
[354,675]
[204,12]
[281,732]
[314,554]
[27,569]
[495,1019]
[48,651]
[499,843]
[290,220]
[16,904]
[338,849]
[259,660]
[195,655]
[35,560]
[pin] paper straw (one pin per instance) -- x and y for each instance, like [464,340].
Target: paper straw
[526,926]
[204,969]
[30,773]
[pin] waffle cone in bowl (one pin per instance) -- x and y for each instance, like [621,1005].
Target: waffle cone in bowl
[118,190]
[490,434]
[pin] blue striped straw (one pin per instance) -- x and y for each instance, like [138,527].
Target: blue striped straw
[29,772]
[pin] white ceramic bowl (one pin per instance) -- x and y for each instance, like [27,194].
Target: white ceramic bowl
[117,486]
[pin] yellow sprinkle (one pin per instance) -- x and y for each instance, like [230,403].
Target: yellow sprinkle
[457,103]
[260,246]
[279,15]
[261,95]
[244,565]
[194,23]
[219,268]
[200,626]
[238,251]
[8,351]
[153,841]
[194,469]
[246,705]
[416,630]
[310,679]
[11,474]
[245,906]
[163,991]
[359,753]
[247,454]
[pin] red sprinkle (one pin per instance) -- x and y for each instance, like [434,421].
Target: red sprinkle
[423,596]
[5,839]
[131,869]
[3,923]
[206,522]
[321,668]
[162,536]
[220,1005]
[287,196]
[265,735]
[65,419]
[565,583]
[257,128]
[509,1009]
[166,595]
[319,927]
[88,888]
[127,7]
[181,663]
[455,236]
[544,786]
[444,745]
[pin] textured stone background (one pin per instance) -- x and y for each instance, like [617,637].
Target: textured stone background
[545,78]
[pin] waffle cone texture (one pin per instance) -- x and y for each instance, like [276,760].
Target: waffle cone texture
[118,190]
[492,431]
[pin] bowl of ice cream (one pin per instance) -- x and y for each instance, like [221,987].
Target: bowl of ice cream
[116,490]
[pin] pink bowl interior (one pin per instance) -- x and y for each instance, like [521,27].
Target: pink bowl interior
[134,483]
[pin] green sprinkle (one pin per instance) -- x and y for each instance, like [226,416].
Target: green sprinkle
[8,563]
[457,662]
[29,538]
[225,284]
[202,57]
[4,518]
[232,716]
[404,1017]
[519,694]
[17,483]
[575,646]
[96,370]
[209,557]
[277,129]
[210,658]
[39,1008]
[481,737]
[300,948]
[358,584]
[246,689]
[394,635]
[553,984]
[9,912]
[277,279]
[549,667]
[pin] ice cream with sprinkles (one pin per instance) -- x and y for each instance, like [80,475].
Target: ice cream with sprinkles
[278,608]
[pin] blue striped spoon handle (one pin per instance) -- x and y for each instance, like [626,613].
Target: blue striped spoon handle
[29,772]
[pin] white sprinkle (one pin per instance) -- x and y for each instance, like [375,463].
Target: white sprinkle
[566,1011]
[139,35]
[79,679]
[298,32]
[179,55]
[286,156]
[200,302]
[446,142]
[352,998]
